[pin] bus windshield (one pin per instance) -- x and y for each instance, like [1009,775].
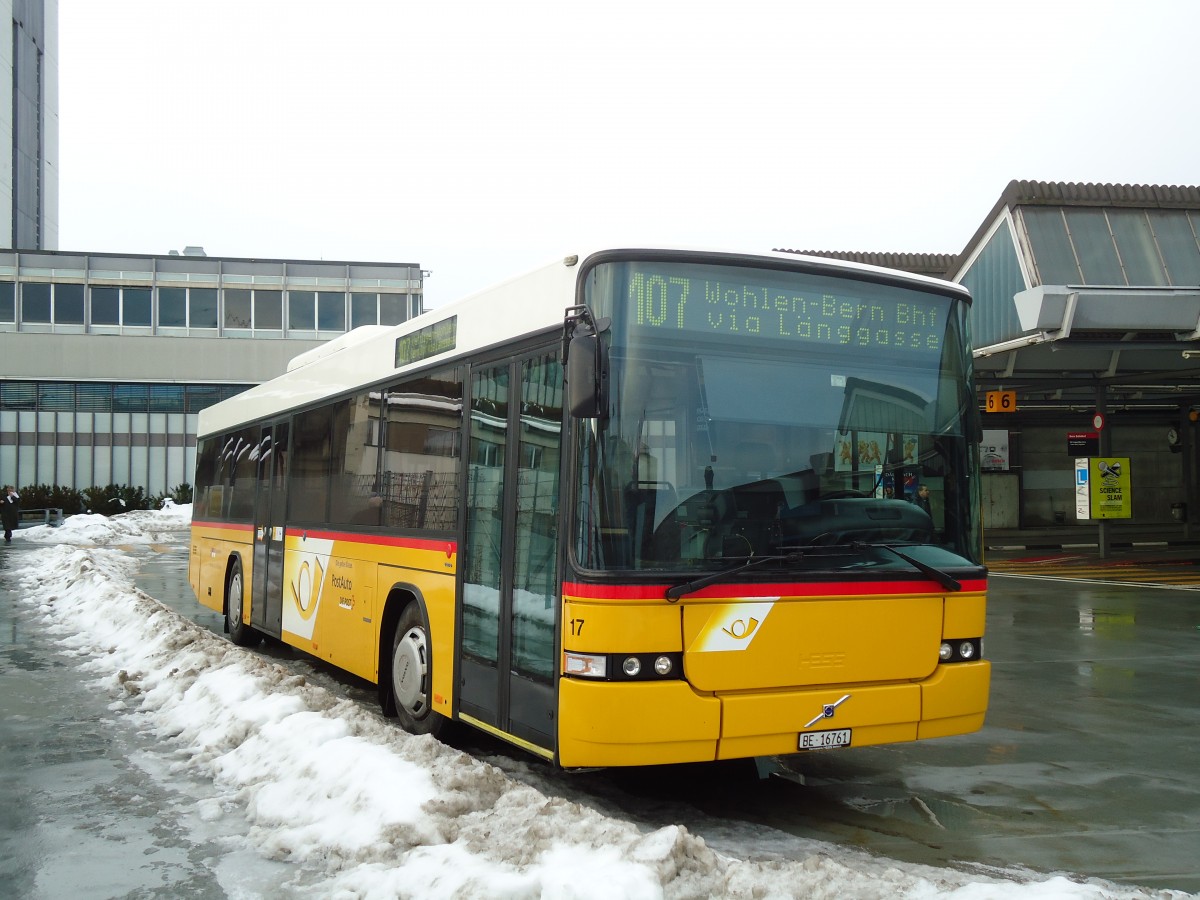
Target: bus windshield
[768,411]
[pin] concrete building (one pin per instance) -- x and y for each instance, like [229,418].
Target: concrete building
[106,359]
[29,123]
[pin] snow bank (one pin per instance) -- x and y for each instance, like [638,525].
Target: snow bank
[374,812]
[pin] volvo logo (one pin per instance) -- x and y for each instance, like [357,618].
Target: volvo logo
[827,711]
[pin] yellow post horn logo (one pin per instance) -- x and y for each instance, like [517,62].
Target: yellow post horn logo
[740,630]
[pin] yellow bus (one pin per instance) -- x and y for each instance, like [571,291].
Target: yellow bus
[639,506]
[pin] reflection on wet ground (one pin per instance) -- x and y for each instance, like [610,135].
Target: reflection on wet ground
[76,819]
[1086,763]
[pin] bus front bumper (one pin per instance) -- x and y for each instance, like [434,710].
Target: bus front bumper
[648,723]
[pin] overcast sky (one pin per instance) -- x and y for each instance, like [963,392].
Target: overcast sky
[482,139]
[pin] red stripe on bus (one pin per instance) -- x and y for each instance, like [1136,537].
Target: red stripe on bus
[380,540]
[222,526]
[351,537]
[728,589]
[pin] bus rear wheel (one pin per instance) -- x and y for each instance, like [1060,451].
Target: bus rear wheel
[412,674]
[235,594]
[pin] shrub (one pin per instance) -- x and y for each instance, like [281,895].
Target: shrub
[113,499]
[107,501]
[45,496]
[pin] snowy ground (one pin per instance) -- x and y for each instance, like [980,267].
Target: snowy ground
[348,806]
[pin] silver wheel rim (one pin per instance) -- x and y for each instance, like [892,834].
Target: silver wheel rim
[235,599]
[409,671]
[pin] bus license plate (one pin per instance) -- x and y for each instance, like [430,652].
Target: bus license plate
[825,740]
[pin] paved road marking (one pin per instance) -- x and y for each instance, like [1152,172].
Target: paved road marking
[1183,574]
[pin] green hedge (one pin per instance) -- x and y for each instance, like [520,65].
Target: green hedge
[106,501]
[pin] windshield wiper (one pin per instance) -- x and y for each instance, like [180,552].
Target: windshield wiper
[688,587]
[945,579]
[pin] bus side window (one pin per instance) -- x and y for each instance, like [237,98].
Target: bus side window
[309,495]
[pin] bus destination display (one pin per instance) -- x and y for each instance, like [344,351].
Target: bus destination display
[883,318]
[426,342]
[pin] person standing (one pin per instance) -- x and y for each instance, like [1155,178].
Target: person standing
[922,499]
[10,512]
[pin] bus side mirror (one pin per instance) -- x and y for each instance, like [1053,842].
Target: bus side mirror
[587,377]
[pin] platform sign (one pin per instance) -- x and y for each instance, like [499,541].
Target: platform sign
[1083,501]
[993,450]
[1110,495]
[1000,401]
[1083,443]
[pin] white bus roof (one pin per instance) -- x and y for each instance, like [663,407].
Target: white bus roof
[524,305]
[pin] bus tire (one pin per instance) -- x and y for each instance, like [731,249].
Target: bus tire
[412,674]
[235,593]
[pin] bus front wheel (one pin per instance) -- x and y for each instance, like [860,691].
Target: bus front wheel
[412,674]
[235,594]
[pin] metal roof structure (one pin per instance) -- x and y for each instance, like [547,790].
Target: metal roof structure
[935,265]
[1092,289]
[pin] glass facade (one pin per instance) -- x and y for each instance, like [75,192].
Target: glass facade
[93,396]
[84,434]
[83,423]
[195,310]
[995,273]
[1113,247]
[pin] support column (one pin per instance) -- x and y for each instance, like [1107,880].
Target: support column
[1104,539]
[1187,438]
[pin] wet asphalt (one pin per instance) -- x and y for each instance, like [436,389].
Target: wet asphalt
[1087,762]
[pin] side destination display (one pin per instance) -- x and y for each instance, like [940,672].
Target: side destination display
[426,342]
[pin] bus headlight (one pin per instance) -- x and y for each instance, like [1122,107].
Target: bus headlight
[960,650]
[623,666]
[586,665]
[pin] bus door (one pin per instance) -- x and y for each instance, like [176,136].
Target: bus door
[266,611]
[510,584]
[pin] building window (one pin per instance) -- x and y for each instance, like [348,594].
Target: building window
[18,395]
[68,304]
[106,306]
[112,305]
[166,398]
[202,396]
[8,301]
[393,309]
[93,397]
[172,307]
[137,307]
[56,396]
[302,310]
[237,308]
[363,310]
[130,397]
[202,307]
[268,310]
[35,303]
[331,311]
